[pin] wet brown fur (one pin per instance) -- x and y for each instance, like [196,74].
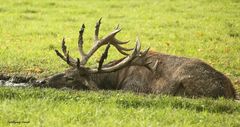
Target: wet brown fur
[173,75]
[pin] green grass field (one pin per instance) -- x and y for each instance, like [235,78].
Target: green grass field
[31,30]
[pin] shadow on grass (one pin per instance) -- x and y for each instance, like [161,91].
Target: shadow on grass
[214,106]
[121,99]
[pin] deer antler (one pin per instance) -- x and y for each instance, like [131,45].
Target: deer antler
[110,40]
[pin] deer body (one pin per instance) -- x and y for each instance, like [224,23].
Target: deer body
[147,72]
[173,76]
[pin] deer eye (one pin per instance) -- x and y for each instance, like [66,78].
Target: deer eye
[69,78]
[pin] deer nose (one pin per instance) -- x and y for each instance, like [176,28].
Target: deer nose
[41,82]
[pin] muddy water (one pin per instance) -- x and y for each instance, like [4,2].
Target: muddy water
[10,83]
[16,81]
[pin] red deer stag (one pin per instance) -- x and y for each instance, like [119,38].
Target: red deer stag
[141,71]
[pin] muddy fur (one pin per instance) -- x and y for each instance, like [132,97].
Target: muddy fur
[173,75]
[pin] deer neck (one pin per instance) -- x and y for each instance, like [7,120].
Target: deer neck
[105,80]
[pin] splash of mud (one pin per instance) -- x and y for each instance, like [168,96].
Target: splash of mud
[16,81]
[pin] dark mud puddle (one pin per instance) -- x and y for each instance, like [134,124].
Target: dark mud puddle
[16,81]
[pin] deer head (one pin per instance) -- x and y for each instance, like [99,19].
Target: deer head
[78,76]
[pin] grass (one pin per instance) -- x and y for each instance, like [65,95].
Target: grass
[48,107]
[31,30]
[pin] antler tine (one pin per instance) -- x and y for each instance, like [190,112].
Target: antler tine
[109,37]
[103,57]
[64,48]
[80,41]
[122,49]
[116,40]
[78,63]
[65,59]
[97,29]
[60,55]
[145,51]
[125,62]
[65,52]
[119,42]
[138,45]
[98,44]
[116,43]
[117,27]
[68,61]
